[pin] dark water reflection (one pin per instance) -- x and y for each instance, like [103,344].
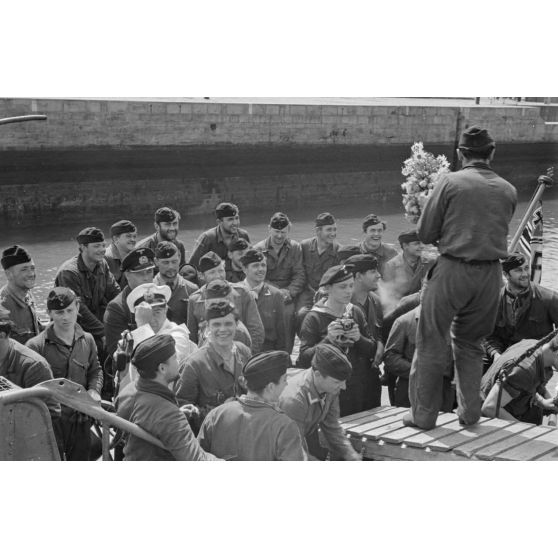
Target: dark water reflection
[51,245]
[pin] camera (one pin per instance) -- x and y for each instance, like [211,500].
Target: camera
[346,323]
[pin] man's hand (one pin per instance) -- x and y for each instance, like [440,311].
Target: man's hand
[334,332]
[94,395]
[190,410]
[548,405]
[353,456]
[144,314]
[353,334]
[286,296]
[379,354]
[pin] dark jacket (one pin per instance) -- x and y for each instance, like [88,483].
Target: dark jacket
[271,308]
[180,294]
[112,257]
[315,264]
[95,288]
[118,318]
[212,241]
[22,312]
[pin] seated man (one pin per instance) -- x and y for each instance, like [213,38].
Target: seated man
[233,265]
[72,354]
[311,399]
[123,235]
[154,407]
[252,427]
[522,388]
[526,310]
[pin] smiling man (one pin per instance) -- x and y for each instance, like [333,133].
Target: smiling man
[124,235]
[373,229]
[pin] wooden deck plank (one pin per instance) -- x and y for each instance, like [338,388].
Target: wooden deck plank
[368,413]
[381,451]
[399,436]
[460,435]
[551,456]
[504,430]
[533,448]
[362,428]
[369,417]
[424,438]
[491,451]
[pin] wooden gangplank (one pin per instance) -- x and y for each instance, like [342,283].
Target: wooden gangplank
[380,434]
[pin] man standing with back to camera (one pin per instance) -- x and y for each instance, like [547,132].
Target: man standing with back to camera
[467,216]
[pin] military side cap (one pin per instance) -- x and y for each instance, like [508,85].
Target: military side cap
[90,235]
[218,288]
[7,326]
[336,274]
[60,298]
[226,209]
[14,255]
[279,221]
[121,227]
[345,252]
[218,309]
[208,261]
[238,244]
[265,367]
[252,255]
[138,259]
[330,361]
[154,295]
[165,250]
[325,219]
[371,220]
[475,138]
[408,236]
[166,215]
[362,263]
[514,260]
[148,354]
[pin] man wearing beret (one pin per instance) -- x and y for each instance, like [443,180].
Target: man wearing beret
[16,299]
[155,409]
[166,223]
[285,269]
[318,255]
[123,234]
[525,310]
[212,374]
[233,266]
[403,274]
[339,322]
[212,268]
[268,299]
[467,216]
[88,275]
[219,238]
[252,427]
[167,260]
[311,399]
[71,354]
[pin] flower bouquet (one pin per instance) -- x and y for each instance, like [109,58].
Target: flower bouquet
[422,170]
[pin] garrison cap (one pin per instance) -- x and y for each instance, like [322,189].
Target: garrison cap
[138,259]
[7,326]
[408,236]
[238,244]
[371,220]
[266,367]
[60,298]
[14,255]
[252,255]
[226,209]
[476,138]
[325,219]
[165,250]
[362,263]
[279,221]
[336,274]
[218,309]
[148,354]
[514,260]
[330,361]
[218,288]
[208,261]
[121,227]
[166,215]
[154,295]
[90,235]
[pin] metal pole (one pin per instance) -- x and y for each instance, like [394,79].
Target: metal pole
[26,118]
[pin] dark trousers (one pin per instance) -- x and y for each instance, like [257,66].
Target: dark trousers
[401,394]
[73,435]
[363,392]
[462,299]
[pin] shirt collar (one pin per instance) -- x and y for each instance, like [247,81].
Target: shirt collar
[156,388]
[53,338]
[27,299]
[476,164]
[313,395]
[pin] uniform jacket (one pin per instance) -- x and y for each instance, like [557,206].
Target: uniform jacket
[212,241]
[374,314]
[78,363]
[383,254]
[95,288]
[152,242]
[401,278]
[285,269]
[401,344]
[247,429]
[113,260]
[406,304]
[155,409]
[180,293]
[117,319]
[22,312]
[233,275]
[315,265]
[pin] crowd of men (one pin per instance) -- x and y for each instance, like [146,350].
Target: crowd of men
[199,352]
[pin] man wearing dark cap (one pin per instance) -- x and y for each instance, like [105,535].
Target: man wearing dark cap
[339,322]
[219,238]
[403,274]
[467,216]
[311,399]
[373,229]
[212,268]
[167,260]
[268,299]
[123,234]
[318,255]
[88,275]
[16,299]
[167,221]
[284,268]
[252,427]
[155,409]
[211,375]
[525,310]
[233,266]
[71,354]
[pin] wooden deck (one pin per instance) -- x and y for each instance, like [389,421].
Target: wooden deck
[380,434]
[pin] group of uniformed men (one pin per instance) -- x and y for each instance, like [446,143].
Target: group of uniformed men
[204,347]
